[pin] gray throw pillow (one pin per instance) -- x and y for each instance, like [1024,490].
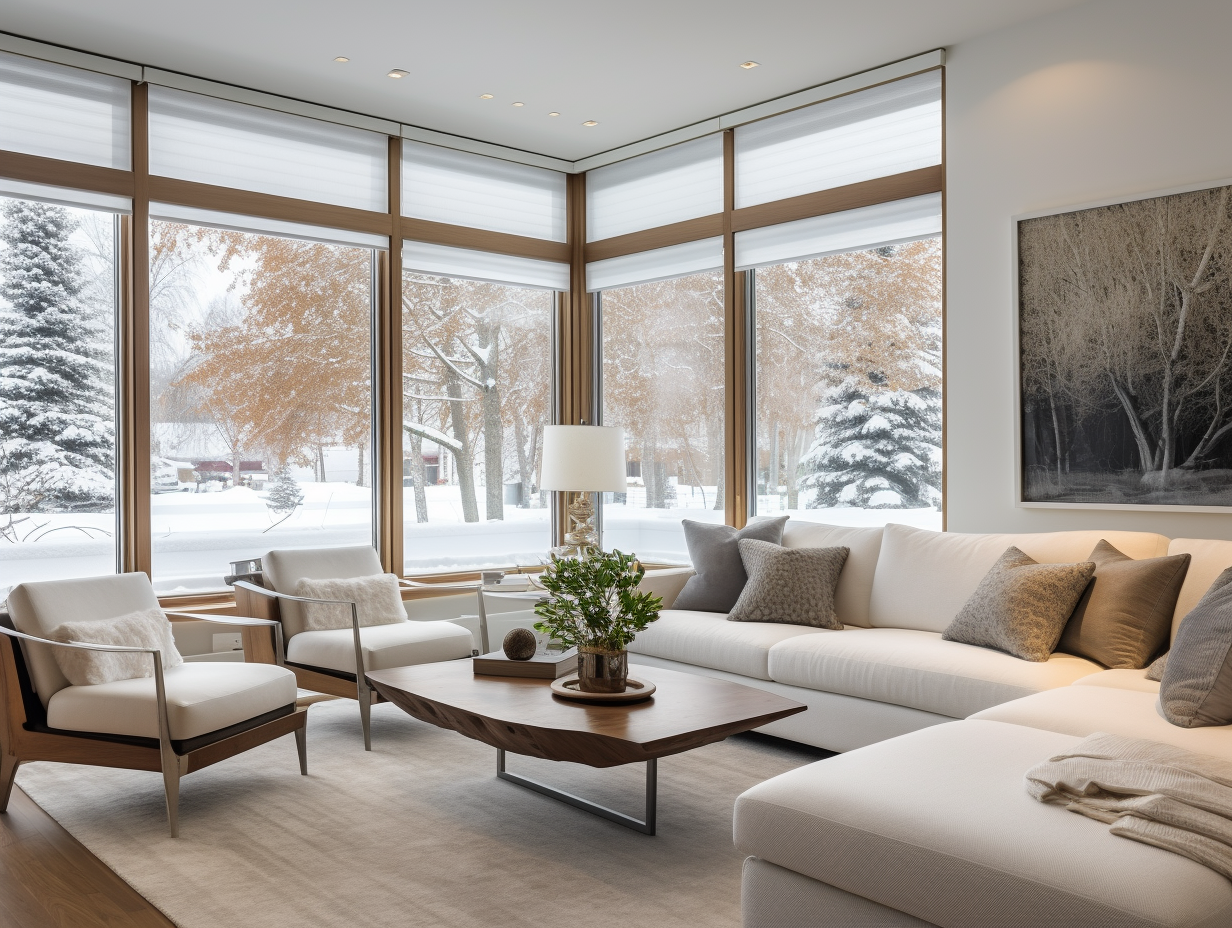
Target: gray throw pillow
[794,586]
[1021,606]
[1156,671]
[720,575]
[1196,689]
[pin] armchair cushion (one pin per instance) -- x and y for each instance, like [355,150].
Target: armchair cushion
[377,602]
[201,698]
[148,628]
[384,646]
[283,569]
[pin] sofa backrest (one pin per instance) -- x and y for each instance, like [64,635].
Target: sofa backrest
[1210,558]
[923,578]
[855,583]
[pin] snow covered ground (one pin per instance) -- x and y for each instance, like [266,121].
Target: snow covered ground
[196,535]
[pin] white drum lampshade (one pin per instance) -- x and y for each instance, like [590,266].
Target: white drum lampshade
[583,459]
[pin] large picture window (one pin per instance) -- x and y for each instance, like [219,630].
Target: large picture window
[57,392]
[261,380]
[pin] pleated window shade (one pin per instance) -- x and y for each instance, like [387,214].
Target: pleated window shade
[198,138]
[889,223]
[66,113]
[884,130]
[467,264]
[257,225]
[465,189]
[659,264]
[671,185]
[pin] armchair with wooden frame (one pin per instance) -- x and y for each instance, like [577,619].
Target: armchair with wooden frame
[176,722]
[335,661]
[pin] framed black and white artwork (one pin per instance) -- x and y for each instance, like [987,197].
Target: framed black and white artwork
[1124,348]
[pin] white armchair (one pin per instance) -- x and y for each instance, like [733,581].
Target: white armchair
[335,661]
[177,721]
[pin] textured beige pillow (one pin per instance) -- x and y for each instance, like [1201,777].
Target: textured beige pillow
[376,599]
[1021,606]
[794,586]
[146,629]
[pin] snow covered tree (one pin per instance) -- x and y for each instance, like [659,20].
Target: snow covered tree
[285,494]
[57,431]
[876,448]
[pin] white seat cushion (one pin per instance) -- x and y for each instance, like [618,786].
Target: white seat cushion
[1124,679]
[707,639]
[917,669]
[201,698]
[937,824]
[1084,710]
[384,646]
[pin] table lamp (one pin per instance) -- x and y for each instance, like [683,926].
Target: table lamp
[583,459]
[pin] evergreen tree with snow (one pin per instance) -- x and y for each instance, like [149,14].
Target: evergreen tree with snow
[285,494]
[57,432]
[876,449]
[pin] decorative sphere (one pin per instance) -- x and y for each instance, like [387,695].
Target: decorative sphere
[520,644]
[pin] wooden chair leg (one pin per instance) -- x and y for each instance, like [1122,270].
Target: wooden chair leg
[301,745]
[8,773]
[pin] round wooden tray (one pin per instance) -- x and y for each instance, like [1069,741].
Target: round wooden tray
[636,690]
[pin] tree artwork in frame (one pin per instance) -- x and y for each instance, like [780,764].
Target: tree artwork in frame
[1125,353]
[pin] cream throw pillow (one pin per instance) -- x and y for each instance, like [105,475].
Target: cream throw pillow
[376,598]
[146,629]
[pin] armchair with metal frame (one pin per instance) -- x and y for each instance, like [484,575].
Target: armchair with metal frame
[200,709]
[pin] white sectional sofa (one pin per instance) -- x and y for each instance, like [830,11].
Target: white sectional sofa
[927,821]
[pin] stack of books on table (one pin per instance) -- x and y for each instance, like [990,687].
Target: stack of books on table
[545,665]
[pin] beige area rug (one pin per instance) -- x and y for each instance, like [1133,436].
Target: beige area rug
[417,833]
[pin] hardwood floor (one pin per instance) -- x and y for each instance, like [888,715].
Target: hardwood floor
[49,880]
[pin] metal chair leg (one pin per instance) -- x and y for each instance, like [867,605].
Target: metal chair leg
[171,785]
[365,714]
[8,773]
[301,745]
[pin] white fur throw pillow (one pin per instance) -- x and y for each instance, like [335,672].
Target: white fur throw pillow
[146,629]
[376,599]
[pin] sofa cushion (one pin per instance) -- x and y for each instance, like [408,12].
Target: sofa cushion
[1084,710]
[1021,606]
[201,698]
[707,639]
[715,554]
[1121,679]
[937,824]
[923,578]
[384,646]
[794,586]
[855,583]
[1210,558]
[917,669]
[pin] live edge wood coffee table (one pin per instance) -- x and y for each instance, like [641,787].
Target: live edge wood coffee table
[524,717]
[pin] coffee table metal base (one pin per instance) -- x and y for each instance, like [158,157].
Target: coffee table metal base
[646,827]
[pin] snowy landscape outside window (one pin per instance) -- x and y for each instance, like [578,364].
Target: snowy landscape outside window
[477,392]
[57,392]
[663,382]
[848,375]
[260,367]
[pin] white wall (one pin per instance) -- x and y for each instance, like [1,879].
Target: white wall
[1104,100]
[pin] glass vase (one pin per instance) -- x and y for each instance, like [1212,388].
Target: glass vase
[602,671]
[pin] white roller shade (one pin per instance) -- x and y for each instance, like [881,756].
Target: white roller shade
[444,261]
[853,230]
[234,222]
[65,196]
[659,264]
[464,189]
[210,141]
[884,130]
[677,183]
[59,112]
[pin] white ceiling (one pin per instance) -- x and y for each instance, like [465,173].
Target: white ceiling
[638,67]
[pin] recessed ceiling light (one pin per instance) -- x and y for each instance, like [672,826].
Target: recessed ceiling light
[749,65]
[485,96]
[342,58]
[553,114]
[398,72]
[590,122]
[519,104]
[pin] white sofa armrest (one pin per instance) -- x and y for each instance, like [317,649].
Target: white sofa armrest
[666,582]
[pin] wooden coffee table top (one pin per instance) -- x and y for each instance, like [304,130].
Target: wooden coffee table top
[524,717]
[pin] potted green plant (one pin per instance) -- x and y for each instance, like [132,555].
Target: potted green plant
[594,605]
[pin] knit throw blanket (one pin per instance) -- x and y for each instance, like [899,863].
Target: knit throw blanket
[1149,792]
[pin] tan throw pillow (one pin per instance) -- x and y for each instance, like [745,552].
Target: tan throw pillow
[1021,606]
[1125,615]
[146,629]
[794,586]
[376,599]
[1196,689]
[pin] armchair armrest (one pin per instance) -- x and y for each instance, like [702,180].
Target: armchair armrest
[274,594]
[241,622]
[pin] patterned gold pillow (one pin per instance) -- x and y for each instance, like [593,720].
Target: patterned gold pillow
[794,586]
